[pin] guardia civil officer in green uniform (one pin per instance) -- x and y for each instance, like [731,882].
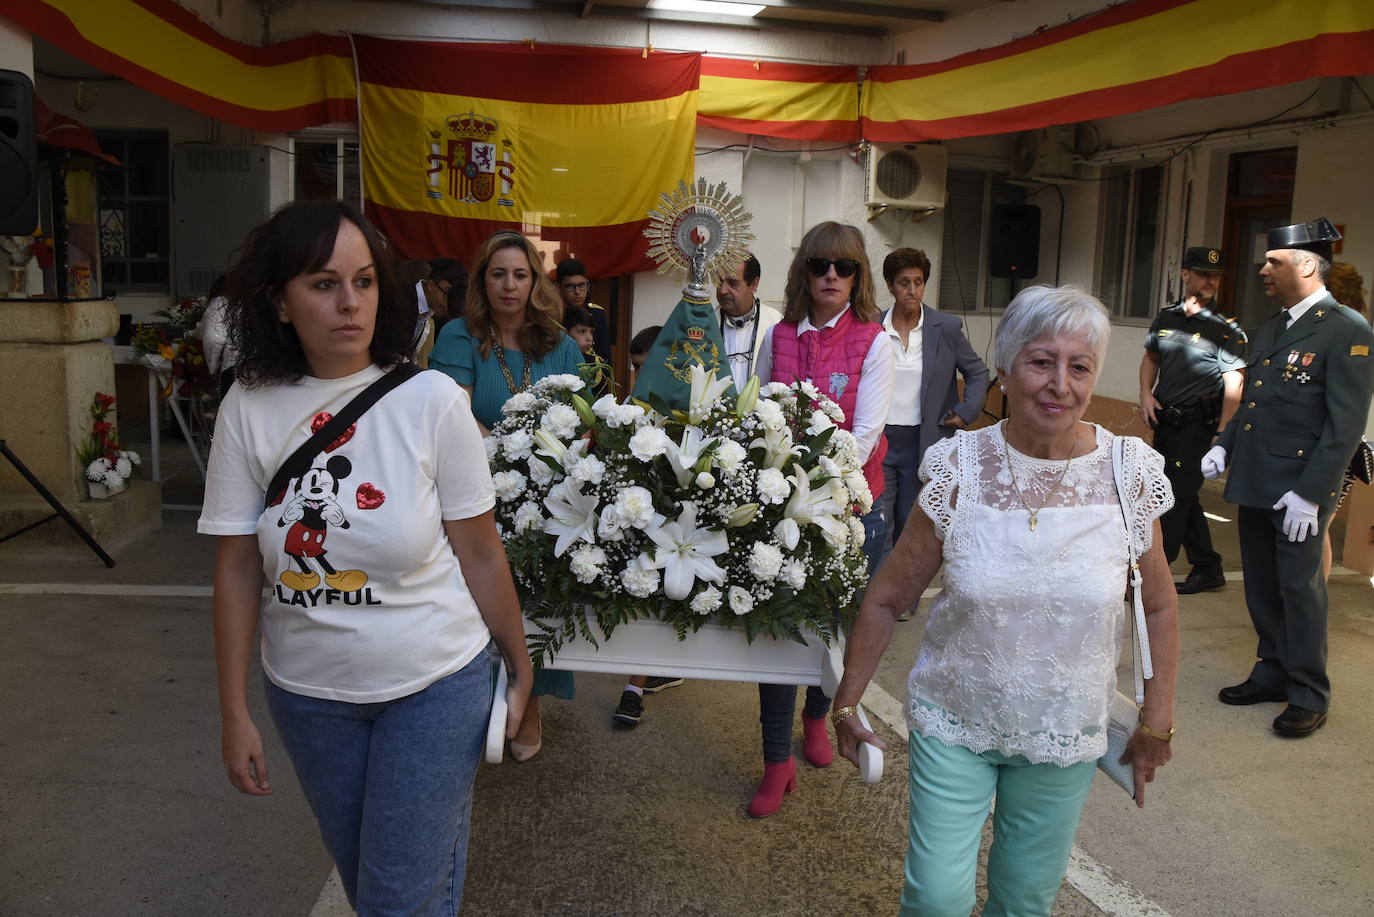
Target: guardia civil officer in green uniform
[1190,382]
[1306,399]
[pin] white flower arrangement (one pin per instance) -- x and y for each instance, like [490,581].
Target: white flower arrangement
[113,472]
[741,512]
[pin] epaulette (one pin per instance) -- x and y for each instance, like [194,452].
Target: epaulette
[592,305]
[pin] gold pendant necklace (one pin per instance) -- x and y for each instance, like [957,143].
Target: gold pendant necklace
[526,377]
[1035,512]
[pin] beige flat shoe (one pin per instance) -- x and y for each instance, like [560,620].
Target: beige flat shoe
[522,752]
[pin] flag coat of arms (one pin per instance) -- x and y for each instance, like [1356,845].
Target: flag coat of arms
[571,146]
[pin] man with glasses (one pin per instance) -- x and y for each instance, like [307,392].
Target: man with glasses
[573,286]
[743,319]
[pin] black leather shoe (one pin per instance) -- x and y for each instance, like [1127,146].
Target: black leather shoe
[1298,722]
[1200,581]
[1248,692]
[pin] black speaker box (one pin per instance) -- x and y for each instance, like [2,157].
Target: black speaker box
[1014,242]
[18,156]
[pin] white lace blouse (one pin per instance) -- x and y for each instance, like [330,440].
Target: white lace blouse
[1020,652]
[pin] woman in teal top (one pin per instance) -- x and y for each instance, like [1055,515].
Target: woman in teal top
[509,338]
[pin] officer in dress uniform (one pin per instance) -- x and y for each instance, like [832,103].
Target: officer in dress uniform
[1190,382]
[1305,403]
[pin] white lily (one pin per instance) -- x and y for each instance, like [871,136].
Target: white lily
[807,505]
[685,551]
[572,516]
[706,390]
[685,455]
[550,445]
[777,447]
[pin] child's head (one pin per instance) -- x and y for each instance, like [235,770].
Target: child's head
[580,327]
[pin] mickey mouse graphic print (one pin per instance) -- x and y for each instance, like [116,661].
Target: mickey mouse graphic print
[360,533]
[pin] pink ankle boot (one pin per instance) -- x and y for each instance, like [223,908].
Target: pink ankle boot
[817,742]
[779,778]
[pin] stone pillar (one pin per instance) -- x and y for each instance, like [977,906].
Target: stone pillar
[52,362]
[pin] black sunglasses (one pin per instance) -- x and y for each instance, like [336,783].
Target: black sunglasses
[845,267]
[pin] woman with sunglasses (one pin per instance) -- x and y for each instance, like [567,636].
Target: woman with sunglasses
[829,336]
[509,337]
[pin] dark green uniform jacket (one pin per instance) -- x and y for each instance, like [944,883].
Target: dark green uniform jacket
[1306,399]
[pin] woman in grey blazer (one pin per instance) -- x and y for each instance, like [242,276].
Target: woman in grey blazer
[930,349]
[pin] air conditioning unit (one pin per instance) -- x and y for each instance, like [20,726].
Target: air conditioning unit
[1046,152]
[905,176]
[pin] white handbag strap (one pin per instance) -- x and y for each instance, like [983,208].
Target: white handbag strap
[1140,638]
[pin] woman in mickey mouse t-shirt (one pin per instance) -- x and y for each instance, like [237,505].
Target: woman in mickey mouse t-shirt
[388,591]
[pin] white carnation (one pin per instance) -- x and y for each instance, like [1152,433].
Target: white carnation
[518,403]
[832,410]
[648,443]
[589,469]
[540,472]
[625,415]
[603,406]
[765,561]
[560,420]
[729,454]
[836,534]
[788,533]
[794,574]
[707,600]
[610,527]
[741,602]
[857,485]
[565,381]
[774,390]
[492,446]
[517,445]
[528,516]
[819,423]
[770,415]
[640,577]
[810,390]
[585,562]
[635,507]
[773,486]
[509,485]
[844,447]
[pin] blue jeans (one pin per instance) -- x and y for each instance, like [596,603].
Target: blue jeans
[777,706]
[391,786]
[1038,808]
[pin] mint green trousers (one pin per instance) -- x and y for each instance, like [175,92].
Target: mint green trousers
[1038,808]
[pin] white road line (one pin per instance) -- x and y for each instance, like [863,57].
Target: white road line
[332,901]
[1089,876]
[188,592]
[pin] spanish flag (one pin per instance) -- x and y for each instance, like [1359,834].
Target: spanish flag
[572,146]
[159,46]
[1127,58]
[796,101]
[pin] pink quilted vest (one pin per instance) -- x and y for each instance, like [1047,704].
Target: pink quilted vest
[832,359]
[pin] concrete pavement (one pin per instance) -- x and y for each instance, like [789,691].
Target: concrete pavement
[113,801]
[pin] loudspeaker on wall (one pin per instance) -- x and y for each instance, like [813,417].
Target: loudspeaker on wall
[18,156]
[1014,242]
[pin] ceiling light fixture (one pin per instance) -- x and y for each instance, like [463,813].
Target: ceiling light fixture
[719,7]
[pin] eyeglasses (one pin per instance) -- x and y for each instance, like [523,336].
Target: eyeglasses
[844,267]
[575,287]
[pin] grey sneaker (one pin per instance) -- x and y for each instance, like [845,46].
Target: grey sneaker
[655,685]
[630,710]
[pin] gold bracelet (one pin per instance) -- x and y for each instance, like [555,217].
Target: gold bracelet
[843,713]
[1154,733]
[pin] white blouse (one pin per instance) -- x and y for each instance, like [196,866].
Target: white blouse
[1020,652]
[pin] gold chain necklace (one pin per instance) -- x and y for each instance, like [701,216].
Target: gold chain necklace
[526,377]
[1034,513]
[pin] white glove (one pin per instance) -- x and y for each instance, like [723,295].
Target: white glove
[1214,463]
[1300,520]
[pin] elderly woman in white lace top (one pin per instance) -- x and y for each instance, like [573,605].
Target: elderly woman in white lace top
[1010,692]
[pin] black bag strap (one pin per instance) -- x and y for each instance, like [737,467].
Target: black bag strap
[299,461]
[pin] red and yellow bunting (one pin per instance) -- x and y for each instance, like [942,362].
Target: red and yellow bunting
[1128,58]
[796,101]
[163,48]
[570,145]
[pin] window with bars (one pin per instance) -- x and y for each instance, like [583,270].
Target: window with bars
[326,168]
[135,212]
[965,283]
[1129,267]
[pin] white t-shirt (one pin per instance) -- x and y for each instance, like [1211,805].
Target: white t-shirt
[366,599]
